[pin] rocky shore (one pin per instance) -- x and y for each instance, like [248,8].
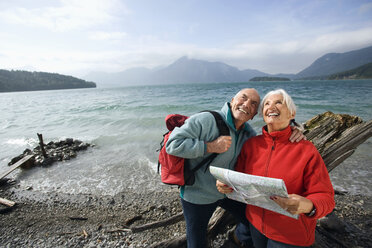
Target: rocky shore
[47,154]
[59,220]
[349,225]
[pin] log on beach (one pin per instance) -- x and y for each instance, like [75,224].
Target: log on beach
[7,202]
[336,136]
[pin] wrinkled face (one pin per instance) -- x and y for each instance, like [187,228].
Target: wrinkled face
[276,113]
[244,106]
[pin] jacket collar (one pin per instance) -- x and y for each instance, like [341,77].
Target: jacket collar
[280,136]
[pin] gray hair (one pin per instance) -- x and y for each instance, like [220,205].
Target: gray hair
[287,99]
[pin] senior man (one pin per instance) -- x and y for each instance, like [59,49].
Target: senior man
[197,139]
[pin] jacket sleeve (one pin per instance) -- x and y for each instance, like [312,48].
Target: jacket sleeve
[318,186]
[189,140]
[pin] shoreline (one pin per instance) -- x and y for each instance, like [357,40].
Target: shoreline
[85,220]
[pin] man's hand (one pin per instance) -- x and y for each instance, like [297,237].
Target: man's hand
[219,145]
[294,204]
[296,135]
[223,188]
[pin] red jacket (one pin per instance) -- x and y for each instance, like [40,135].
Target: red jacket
[304,173]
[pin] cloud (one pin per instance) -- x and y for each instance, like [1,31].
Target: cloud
[273,57]
[340,41]
[100,35]
[365,8]
[149,51]
[68,15]
[107,36]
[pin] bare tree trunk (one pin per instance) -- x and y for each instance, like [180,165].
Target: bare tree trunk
[41,143]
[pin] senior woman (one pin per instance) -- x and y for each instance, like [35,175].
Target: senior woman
[300,165]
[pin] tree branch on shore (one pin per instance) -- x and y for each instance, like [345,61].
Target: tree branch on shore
[6,202]
[170,221]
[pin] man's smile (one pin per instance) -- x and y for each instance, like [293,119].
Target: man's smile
[242,110]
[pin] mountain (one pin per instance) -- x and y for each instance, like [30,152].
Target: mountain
[186,70]
[183,70]
[133,76]
[362,72]
[28,81]
[332,63]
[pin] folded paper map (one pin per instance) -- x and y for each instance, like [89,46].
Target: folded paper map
[253,190]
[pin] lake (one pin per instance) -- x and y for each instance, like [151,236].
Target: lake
[126,125]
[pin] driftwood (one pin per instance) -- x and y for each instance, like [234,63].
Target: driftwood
[131,220]
[22,162]
[336,136]
[179,242]
[172,220]
[7,202]
[77,218]
[218,219]
[6,205]
[41,143]
[82,233]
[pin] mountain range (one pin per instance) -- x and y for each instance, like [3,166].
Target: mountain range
[186,70]
[182,71]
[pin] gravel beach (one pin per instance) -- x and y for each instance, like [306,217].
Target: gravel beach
[59,220]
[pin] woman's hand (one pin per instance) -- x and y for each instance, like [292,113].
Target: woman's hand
[294,204]
[223,188]
[297,135]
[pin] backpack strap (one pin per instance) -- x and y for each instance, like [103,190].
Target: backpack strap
[161,146]
[223,129]
[221,124]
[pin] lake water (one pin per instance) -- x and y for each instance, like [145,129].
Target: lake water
[126,126]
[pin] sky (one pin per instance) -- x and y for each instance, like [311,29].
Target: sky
[75,37]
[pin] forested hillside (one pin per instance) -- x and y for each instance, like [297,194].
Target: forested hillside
[28,81]
[262,79]
[362,72]
[333,63]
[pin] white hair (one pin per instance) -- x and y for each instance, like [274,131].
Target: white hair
[287,99]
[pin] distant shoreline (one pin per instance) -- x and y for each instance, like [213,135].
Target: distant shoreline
[15,91]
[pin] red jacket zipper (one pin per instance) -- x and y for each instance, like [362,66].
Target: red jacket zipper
[266,174]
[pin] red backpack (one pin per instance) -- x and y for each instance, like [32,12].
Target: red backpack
[175,170]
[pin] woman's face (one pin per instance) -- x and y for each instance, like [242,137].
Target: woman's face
[276,113]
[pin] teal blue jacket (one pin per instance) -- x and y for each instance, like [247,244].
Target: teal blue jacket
[189,141]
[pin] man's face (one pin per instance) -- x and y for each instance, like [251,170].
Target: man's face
[244,106]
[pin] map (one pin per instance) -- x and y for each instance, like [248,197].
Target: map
[253,190]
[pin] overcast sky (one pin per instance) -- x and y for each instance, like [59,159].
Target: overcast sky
[76,37]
